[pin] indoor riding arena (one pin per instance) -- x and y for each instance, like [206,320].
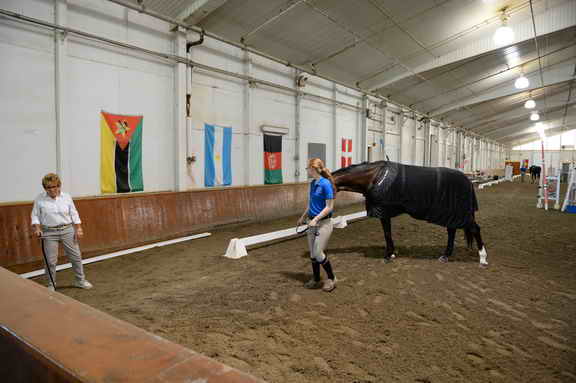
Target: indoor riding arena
[288,191]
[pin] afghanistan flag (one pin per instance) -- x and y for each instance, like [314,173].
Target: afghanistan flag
[121,153]
[272,159]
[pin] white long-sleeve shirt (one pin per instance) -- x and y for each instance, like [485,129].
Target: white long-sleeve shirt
[48,211]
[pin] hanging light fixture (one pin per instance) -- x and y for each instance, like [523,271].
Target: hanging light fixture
[504,35]
[534,116]
[521,82]
[540,128]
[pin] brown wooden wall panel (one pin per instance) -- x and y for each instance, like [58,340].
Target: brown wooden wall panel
[59,339]
[23,363]
[123,221]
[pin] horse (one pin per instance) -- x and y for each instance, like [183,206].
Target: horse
[535,173]
[441,196]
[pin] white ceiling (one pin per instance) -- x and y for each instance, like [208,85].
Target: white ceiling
[436,56]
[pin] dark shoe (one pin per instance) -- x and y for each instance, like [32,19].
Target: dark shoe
[312,284]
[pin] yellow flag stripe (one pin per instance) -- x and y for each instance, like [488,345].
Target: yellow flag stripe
[107,152]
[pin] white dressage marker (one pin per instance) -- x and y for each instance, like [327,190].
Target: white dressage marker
[117,254]
[482,186]
[237,246]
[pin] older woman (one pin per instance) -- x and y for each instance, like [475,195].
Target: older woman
[55,220]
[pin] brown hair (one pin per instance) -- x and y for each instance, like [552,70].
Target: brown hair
[317,164]
[50,179]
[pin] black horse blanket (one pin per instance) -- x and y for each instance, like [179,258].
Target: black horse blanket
[441,196]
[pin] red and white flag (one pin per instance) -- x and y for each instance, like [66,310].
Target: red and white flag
[346,159]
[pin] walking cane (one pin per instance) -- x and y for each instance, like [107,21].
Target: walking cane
[46,261]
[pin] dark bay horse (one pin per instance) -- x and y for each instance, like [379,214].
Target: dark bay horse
[535,171]
[441,196]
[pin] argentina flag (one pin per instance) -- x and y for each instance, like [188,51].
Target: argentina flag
[217,155]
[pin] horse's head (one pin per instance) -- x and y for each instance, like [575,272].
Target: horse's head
[355,178]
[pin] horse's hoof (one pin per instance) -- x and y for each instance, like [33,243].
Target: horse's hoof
[483,265]
[388,259]
[443,259]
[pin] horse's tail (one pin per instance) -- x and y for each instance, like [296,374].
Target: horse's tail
[469,231]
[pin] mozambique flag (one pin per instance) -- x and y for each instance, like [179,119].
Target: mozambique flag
[272,159]
[121,153]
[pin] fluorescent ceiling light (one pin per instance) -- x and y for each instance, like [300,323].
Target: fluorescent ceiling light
[521,82]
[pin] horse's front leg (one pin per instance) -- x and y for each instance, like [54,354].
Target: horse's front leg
[387,227]
[450,246]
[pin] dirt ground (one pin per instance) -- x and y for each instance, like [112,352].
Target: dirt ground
[413,320]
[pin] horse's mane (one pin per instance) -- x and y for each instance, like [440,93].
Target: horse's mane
[362,167]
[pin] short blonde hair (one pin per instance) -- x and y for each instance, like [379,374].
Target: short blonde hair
[50,179]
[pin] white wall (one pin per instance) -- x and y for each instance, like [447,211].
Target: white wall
[553,158]
[98,76]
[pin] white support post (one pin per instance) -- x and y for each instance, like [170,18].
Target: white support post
[248,119]
[180,115]
[414,131]
[427,144]
[299,157]
[384,107]
[335,140]
[364,130]
[60,54]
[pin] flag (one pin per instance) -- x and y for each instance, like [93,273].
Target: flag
[217,155]
[272,159]
[120,153]
[346,159]
[525,163]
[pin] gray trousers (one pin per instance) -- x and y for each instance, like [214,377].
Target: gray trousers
[317,243]
[51,238]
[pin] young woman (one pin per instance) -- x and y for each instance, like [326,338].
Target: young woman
[319,214]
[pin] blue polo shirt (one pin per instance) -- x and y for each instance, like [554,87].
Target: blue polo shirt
[320,191]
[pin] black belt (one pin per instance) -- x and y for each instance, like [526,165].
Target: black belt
[59,227]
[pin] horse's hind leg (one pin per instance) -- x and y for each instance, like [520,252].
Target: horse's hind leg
[450,246]
[481,247]
[387,227]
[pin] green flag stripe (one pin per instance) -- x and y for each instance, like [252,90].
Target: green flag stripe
[135,163]
[273,176]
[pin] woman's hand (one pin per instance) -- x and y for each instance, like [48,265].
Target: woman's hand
[79,232]
[313,223]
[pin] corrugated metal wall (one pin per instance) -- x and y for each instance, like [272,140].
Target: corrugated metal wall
[119,222]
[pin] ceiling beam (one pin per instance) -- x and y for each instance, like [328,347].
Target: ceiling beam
[197,10]
[551,20]
[553,74]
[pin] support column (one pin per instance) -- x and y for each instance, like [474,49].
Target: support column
[472,154]
[337,144]
[60,53]
[427,143]
[299,157]
[415,141]
[180,114]
[248,121]
[384,107]
[364,130]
